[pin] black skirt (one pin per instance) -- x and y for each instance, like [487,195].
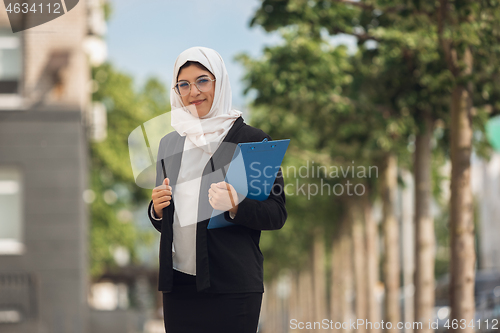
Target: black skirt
[186,310]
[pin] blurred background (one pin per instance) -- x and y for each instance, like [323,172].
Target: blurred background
[392,174]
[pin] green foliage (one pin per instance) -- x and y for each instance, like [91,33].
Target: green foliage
[108,9]
[111,177]
[338,107]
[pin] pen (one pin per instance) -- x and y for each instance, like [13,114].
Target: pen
[163,166]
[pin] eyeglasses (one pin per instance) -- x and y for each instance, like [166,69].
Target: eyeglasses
[203,84]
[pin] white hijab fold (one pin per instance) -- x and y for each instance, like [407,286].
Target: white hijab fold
[203,137]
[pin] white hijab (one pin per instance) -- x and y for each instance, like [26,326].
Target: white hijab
[203,135]
[213,127]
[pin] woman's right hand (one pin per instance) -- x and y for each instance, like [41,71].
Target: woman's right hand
[161,197]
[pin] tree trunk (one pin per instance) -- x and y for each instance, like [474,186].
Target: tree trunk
[318,261]
[358,243]
[371,233]
[347,276]
[408,246]
[336,290]
[264,317]
[461,210]
[271,307]
[294,301]
[306,292]
[424,226]
[391,241]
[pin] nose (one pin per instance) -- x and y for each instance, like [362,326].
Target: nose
[194,90]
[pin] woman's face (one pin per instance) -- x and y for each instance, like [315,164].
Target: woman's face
[201,99]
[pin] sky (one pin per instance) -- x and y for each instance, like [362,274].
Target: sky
[144,37]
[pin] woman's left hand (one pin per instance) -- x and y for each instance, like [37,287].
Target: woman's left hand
[222,196]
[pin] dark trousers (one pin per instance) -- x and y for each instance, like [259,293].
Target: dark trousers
[186,310]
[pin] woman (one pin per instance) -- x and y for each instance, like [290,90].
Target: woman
[212,279]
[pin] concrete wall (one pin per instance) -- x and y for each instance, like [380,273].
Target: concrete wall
[45,139]
[50,149]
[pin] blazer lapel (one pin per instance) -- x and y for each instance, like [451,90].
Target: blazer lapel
[173,160]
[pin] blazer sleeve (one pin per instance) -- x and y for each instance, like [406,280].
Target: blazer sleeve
[269,214]
[159,181]
[156,223]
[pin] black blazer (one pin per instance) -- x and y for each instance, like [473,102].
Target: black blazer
[228,260]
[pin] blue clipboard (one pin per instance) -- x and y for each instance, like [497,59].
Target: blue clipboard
[252,173]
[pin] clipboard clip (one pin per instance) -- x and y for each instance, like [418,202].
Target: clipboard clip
[265,140]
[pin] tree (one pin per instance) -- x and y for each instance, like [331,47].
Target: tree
[111,177]
[421,36]
[313,105]
[363,101]
[466,30]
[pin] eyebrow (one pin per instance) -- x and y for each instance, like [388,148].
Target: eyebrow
[196,78]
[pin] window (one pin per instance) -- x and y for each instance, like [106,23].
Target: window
[11,220]
[17,297]
[10,68]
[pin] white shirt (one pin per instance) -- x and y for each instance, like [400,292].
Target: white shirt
[184,244]
[184,237]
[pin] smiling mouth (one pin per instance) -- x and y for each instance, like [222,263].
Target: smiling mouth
[197,102]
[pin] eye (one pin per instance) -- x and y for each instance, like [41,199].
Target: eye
[183,84]
[203,80]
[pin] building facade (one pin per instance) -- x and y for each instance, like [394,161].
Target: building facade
[45,98]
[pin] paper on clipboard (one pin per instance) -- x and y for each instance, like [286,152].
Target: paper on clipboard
[252,172]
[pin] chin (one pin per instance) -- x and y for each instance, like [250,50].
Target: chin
[202,113]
